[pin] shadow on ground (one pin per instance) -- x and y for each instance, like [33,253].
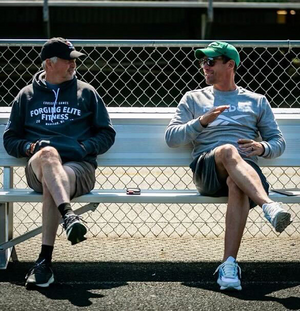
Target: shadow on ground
[75,282]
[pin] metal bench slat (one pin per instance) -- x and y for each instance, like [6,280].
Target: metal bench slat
[120,196]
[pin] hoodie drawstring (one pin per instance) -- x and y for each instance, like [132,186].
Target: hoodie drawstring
[55,102]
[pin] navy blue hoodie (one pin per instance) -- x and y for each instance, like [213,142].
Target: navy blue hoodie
[73,119]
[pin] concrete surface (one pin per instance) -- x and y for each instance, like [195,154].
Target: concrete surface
[155,274]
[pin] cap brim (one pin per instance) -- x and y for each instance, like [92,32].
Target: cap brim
[76,54]
[200,53]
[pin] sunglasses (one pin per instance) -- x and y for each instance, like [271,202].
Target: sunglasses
[209,61]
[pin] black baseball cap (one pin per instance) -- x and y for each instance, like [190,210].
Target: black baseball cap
[59,47]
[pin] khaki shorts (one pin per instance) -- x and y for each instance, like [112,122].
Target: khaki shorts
[206,179]
[84,172]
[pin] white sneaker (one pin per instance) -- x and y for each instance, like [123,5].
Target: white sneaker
[277,216]
[229,275]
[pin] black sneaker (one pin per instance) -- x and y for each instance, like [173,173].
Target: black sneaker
[75,229]
[40,275]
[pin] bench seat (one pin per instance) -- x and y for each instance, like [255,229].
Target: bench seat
[146,196]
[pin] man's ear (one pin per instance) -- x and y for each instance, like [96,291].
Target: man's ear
[48,62]
[231,63]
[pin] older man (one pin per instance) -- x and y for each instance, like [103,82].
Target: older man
[60,124]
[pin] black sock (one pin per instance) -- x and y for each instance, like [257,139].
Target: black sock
[46,253]
[65,208]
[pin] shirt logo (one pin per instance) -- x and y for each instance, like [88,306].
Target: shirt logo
[223,120]
[70,45]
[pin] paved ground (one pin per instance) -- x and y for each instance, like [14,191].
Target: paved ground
[156,274]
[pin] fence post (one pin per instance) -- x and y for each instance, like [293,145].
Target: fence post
[46,19]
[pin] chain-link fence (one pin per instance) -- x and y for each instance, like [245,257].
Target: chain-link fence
[157,74]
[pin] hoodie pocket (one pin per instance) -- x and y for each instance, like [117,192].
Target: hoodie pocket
[68,148]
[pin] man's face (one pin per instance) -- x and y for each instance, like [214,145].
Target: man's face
[214,70]
[64,69]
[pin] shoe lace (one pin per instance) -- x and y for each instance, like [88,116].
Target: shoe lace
[229,269]
[70,218]
[37,268]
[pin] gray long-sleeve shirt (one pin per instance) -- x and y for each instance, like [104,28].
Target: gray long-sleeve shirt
[249,116]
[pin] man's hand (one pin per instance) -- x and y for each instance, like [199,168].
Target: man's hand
[30,149]
[251,147]
[212,114]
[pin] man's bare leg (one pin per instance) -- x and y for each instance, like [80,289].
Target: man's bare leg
[230,163]
[60,183]
[50,218]
[50,214]
[49,170]
[236,218]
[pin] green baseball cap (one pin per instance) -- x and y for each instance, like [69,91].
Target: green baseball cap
[219,48]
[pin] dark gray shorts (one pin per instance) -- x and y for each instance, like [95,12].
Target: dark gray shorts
[84,172]
[206,179]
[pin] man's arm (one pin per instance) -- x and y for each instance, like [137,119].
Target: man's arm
[13,140]
[273,143]
[104,134]
[272,138]
[185,127]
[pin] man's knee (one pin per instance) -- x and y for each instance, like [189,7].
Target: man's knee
[227,153]
[49,155]
[43,158]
